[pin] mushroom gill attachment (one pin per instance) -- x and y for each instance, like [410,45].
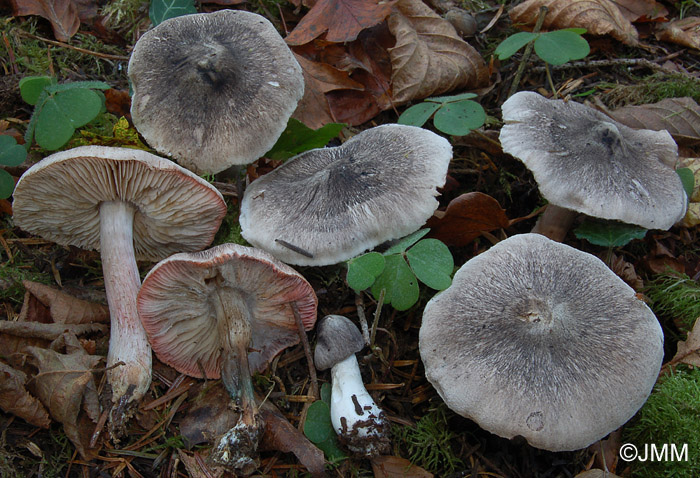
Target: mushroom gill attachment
[538,339]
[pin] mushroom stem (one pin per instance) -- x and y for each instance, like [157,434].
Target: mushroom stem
[128,343]
[555,222]
[357,420]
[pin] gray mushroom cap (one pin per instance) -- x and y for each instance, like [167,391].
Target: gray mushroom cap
[587,162]
[58,199]
[538,339]
[213,89]
[335,203]
[337,339]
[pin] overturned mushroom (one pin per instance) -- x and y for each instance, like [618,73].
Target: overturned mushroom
[328,205]
[225,312]
[587,162]
[127,204]
[358,421]
[538,339]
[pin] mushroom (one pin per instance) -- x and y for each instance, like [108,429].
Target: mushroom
[328,205]
[585,161]
[357,420]
[213,89]
[538,339]
[226,312]
[128,204]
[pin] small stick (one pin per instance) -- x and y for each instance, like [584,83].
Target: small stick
[37,330]
[361,315]
[106,56]
[294,248]
[527,53]
[307,351]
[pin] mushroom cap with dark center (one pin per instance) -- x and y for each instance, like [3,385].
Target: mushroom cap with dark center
[335,203]
[538,339]
[213,89]
[338,338]
[59,199]
[179,298]
[587,162]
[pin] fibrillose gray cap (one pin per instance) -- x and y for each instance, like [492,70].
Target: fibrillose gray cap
[336,203]
[213,89]
[585,161]
[59,199]
[538,339]
[337,339]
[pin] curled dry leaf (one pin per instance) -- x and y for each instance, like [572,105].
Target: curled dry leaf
[466,217]
[684,32]
[64,308]
[689,350]
[15,399]
[429,57]
[598,17]
[625,271]
[63,15]
[678,116]
[397,467]
[197,466]
[692,216]
[641,10]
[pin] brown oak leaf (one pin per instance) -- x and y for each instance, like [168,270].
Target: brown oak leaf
[678,116]
[63,308]
[15,399]
[684,32]
[63,15]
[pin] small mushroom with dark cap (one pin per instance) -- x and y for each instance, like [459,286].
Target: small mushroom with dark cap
[213,89]
[226,312]
[584,161]
[328,205]
[128,204]
[356,418]
[538,339]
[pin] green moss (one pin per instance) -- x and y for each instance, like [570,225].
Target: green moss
[652,89]
[670,416]
[230,230]
[675,296]
[428,444]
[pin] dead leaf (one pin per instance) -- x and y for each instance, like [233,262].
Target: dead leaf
[466,217]
[343,20]
[63,15]
[597,473]
[209,416]
[15,399]
[319,79]
[688,351]
[64,308]
[642,10]
[429,57]
[397,467]
[692,216]
[598,17]
[659,259]
[282,436]
[63,383]
[684,32]
[197,466]
[625,271]
[606,452]
[678,116]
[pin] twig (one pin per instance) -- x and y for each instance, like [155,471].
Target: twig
[38,330]
[527,53]
[615,62]
[106,56]
[361,315]
[307,351]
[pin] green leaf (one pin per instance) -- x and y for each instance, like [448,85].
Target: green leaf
[406,242]
[7,184]
[319,430]
[513,43]
[459,118]
[30,87]
[432,262]
[297,138]
[560,46]
[687,179]
[449,99]
[418,114]
[80,106]
[93,85]
[161,10]
[326,392]
[399,283]
[608,233]
[53,128]
[364,270]
[578,31]
[11,153]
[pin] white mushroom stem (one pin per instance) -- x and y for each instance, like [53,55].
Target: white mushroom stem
[355,417]
[128,342]
[555,222]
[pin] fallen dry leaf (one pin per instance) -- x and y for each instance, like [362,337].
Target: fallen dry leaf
[599,17]
[429,57]
[684,32]
[64,308]
[397,467]
[641,10]
[678,116]
[343,20]
[625,271]
[209,416]
[688,351]
[15,399]
[63,15]
[466,217]
[597,473]
[197,467]
[659,259]
[692,216]
[64,382]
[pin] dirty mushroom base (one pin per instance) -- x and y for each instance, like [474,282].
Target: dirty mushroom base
[538,339]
